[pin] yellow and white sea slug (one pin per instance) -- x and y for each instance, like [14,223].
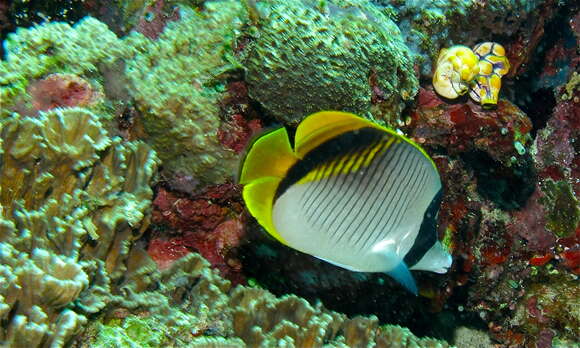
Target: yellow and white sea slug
[456,68]
[493,64]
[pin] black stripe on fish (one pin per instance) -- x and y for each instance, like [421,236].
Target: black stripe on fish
[357,140]
[339,231]
[344,200]
[427,236]
[386,197]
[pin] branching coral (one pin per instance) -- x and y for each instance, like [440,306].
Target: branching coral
[69,194]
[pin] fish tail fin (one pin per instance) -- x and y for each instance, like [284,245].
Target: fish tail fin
[404,277]
[270,155]
[266,162]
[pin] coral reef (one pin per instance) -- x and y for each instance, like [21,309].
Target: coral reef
[429,26]
[94,254]
[211,223]
[465,127]
[71,200]
[177,83]
[62,90]
[56,48]
[238,317]
[311,57]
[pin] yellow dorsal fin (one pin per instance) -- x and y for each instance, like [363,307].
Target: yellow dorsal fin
[259,198]
[322,126]
[270,155]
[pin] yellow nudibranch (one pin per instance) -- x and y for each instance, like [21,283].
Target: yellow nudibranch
[493,64]
[460,69]
[349,192]
[456,68]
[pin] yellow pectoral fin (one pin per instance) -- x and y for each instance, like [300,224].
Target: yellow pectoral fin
[270,155]
[259,198]
[322,126]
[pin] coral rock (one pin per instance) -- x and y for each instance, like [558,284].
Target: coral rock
[175,82]
[467,127]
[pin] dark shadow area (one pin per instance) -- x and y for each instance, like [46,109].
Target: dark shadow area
[508,187]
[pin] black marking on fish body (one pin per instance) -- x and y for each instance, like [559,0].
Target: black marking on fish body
[427,236]
[334,148]
[386,200]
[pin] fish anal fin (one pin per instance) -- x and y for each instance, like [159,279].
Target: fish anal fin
[270,155]
[259,198]
[436,259]
[322,126]
[404,277]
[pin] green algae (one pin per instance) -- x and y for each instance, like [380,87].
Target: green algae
[562,206]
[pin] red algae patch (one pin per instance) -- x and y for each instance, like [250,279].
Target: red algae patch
[62,90]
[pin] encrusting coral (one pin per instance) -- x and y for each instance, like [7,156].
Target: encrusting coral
[175,81]
[310,57]
[55,48]
[71,198]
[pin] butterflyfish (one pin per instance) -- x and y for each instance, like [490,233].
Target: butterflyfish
[350,192]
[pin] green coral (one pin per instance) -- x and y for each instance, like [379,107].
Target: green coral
[33,53]
[191,305]
[307,58]
[175,81]
[54,246]
[131,332]
[562,206]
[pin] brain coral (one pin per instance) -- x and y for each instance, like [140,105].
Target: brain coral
[309,58]
[175,81]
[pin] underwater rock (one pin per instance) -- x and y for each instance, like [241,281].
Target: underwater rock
[71,197]
[210,223]
[155,17]
[177,82]
[309,57]
[463,127]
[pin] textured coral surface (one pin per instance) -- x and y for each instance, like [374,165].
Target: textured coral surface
[122,126]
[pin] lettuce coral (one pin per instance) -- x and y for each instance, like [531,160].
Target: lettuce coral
[212,313]
[71,198]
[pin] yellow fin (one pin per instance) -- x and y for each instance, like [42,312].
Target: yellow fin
[322,126]
[259,198]
[270,155]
